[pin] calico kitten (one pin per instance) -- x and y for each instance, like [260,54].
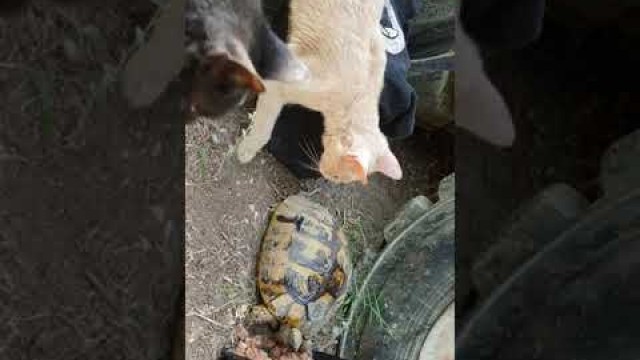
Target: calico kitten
[230,49]
[236,50]
[341,44]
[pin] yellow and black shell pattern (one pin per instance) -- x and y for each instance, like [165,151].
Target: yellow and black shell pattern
[303,269]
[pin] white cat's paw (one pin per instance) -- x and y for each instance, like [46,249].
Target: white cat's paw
[246,151]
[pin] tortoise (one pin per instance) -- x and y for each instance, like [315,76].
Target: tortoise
[303,268]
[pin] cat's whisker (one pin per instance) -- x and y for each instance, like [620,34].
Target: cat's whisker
[306,147]
[310,167]
[305,150]
[315,152]
[313,167]
[309,151]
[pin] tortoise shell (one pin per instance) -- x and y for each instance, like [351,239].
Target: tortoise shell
[303,270]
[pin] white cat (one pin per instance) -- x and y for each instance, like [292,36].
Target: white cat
[340,43]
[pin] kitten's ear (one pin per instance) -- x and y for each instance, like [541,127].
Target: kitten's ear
[352,164]
[237,73]
[388,165]
[279,63]
[480,108]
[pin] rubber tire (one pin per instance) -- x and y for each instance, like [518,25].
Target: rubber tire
[415,278]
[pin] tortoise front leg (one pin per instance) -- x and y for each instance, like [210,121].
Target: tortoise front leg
[293,338]
[259,315]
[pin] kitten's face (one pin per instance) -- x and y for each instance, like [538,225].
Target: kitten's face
[220,84]
[352,156]
[234,50]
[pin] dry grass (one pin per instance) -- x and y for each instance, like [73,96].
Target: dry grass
[227,207]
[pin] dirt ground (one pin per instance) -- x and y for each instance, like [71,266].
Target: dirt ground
[91,192]
[227,205]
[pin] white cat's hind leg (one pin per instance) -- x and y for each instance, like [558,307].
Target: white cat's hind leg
[259,132]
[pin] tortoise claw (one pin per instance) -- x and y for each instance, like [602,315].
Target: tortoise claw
[291,337]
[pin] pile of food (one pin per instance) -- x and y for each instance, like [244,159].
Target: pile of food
[263,347]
